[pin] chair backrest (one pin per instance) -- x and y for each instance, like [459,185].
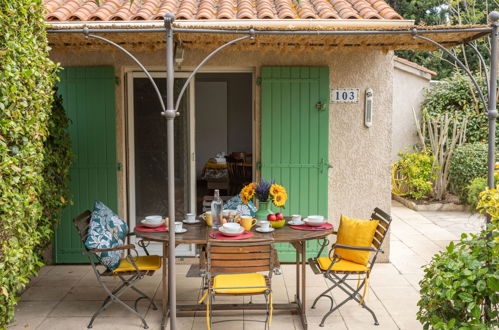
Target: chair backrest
[382,228]
[240,258]
[82,224]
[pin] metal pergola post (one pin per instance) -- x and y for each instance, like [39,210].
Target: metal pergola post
[492,104]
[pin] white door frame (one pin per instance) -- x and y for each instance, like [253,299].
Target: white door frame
[186,250]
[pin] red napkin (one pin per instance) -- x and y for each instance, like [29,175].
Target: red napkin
[151,230]
[324,226]
[219,235]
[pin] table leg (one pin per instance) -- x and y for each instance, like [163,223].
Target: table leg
[304,283]
[297,294]
[164,283]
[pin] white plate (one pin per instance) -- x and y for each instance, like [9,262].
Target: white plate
[191,222]
[314,224]
[181,232]
[226,233]
[261,230]
[298,223]
[150,225]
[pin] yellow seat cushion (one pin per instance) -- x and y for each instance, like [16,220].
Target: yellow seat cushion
[254,283]
[341,266]
[143,263]
[355,233]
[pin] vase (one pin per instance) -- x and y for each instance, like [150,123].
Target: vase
[263,211]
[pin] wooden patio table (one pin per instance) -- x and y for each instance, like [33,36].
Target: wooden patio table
[199,234]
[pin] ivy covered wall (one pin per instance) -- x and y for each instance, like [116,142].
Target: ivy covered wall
[34,148]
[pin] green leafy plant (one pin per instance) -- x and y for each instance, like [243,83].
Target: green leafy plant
[459,288]
[458,97]
[415,173]
[473,191]
[468,161]
[460,285]
[34,148]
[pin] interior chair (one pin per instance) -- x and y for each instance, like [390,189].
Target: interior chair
[352,257]
[238,269]
[130,270]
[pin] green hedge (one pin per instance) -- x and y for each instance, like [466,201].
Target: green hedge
[34,148]
[468,162]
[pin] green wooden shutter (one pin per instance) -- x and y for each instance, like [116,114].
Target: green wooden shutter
[88,94]
[294,140]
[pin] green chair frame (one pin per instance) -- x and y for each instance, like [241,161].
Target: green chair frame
[339,278]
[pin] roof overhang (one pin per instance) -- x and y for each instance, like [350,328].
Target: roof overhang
[326,35]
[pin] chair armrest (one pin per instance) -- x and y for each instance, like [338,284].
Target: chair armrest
[357,248]
[119,248]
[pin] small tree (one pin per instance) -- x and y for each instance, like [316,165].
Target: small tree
[441,134]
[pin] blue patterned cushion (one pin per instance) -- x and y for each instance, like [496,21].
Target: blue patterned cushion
[107,230]
[236,203]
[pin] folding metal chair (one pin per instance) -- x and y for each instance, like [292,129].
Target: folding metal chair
[235,269]
[130,270]
[338,270]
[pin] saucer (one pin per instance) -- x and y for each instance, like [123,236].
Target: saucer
[151,225]
[181,232]
[261,230]
[296,223]
[191,222]
[226,233]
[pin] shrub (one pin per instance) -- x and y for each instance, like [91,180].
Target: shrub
[473,191]
[459,288]
[457,96]
[460,285]
[414,171]
[468,162]
[33,148]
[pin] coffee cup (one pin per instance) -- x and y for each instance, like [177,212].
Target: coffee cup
[190,217]
[296,218]
[178,226]
[206,216]
[247,222]
[232,227]
[265,225]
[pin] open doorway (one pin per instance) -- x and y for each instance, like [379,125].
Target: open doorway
[223,133]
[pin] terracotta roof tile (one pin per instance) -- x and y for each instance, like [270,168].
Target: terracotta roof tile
[109,10]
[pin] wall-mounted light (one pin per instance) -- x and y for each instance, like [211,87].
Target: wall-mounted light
[368,108]
[179,54]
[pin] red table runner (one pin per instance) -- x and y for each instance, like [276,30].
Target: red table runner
[151,230]
[307,227]
[219,235]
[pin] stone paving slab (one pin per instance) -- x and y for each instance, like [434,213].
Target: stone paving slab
[64,297]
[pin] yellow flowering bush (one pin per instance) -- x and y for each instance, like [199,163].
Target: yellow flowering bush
[265,191]
[489,203]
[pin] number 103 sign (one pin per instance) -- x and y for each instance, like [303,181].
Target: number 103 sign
[344,95]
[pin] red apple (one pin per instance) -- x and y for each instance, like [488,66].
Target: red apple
[271,217]
[279,216]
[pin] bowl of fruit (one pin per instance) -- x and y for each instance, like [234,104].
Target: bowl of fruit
[276,220]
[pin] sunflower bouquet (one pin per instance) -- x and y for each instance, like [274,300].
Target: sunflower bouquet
[265,191]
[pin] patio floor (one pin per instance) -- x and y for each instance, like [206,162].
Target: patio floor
[64,297]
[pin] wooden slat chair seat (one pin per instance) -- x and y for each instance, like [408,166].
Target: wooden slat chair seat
[239,269]
[338,270]
[131,269]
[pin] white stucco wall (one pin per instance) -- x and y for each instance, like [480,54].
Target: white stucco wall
[360,156]
[409,86]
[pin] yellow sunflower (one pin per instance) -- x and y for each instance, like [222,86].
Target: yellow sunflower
[276,189]
[280,199]
[247,193]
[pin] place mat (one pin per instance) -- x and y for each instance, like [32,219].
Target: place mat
[151,230]
[312,228]
[219,235]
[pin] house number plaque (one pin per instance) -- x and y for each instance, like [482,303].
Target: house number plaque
[344,95]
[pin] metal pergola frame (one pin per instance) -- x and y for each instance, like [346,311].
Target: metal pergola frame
[170,110]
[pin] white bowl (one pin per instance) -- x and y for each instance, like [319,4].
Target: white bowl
[232,227]
[315,218]
[226,233]
[152,225]
[152,219]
